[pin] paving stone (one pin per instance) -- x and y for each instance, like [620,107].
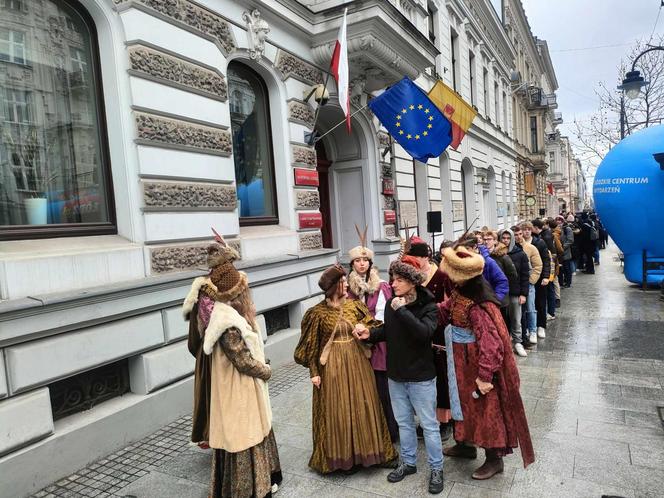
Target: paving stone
[165,486]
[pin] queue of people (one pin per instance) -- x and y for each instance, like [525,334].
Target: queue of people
[433,346]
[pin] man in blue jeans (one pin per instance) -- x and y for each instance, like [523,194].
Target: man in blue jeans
[411,317]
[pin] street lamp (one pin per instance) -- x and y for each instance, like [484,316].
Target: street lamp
[632,85]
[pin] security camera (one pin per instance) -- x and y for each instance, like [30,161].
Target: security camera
[320,94]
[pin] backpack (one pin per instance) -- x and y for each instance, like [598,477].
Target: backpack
[594,234]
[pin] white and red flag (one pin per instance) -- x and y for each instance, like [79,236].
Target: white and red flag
[339,69]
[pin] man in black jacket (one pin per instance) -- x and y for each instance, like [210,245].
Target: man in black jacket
[411,318]
[540,287]
[518,289]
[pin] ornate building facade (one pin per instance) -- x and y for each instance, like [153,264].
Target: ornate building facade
[128,128]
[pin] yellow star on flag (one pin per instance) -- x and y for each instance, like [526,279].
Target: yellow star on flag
[429,126]
[411,107]
[397,124]
[398,116]
[409,136]
[427,111]
[430,118]
[400,132]
[404,111]
[417,137]
[425,133]
[419,106]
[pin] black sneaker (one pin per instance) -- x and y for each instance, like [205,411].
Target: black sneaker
[420,432]
[436,484]
[400,472]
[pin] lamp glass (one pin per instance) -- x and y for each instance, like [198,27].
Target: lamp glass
[633,91]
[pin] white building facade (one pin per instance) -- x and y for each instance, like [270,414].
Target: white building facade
[129,128]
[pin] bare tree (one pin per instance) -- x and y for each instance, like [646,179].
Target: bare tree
[595,137]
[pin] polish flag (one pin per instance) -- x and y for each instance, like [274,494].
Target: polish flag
[339,69]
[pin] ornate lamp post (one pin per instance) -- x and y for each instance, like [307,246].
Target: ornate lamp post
[632,85]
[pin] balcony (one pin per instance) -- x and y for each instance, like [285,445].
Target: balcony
[383,45]
[537,99]
[538,160]
[557,118]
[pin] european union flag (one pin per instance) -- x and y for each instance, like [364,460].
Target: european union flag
[413,120]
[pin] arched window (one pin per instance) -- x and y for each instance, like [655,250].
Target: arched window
[252,146]
[54,164]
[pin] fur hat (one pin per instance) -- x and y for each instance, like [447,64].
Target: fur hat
[361,251]
[461,264]
[418,247]
[229,282]
[408,268]
[331,277]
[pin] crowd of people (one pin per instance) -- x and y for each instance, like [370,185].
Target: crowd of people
[428,354]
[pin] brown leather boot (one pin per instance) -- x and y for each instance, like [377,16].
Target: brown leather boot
[492,465]
[461,450]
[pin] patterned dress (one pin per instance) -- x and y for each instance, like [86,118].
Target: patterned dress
[497,420]
[349,426]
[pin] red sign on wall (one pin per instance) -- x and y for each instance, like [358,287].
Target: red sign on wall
[308,177]
[388,186]
[310,220]
[390,216]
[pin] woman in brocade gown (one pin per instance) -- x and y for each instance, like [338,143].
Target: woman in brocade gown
[365,285]
[232,398]
[483,376]
[349,427]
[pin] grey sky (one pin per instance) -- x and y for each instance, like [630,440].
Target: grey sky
[576,24]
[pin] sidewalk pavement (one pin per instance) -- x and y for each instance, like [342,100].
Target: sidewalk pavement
[592,390]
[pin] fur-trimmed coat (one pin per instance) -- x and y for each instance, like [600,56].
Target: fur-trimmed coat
[240,414]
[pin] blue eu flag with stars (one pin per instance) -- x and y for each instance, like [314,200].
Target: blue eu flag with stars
[413,120]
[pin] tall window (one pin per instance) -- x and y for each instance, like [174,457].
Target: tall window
[471,73]
[12,45]
[252,146]
[506,127]
[485,91]
[533,134]
[431,20]
[456,75]
[54,168]
[496,103]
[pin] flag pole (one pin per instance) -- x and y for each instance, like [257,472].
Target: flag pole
[316,139]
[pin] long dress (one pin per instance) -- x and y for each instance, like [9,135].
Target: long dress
[200,426]
[349,426]
[252,472]
[496,421]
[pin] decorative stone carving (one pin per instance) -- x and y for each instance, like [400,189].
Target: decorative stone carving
[180,258]
[310,241]
[189,195]
[304,155]
[390,231]
[300,112]
[384,139]
[385,170]
[389,202]
[170,69]
[307,199]
[291,66]
[193,16]
[257,30]
[182,134]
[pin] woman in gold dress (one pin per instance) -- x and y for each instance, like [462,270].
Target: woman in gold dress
[349,427]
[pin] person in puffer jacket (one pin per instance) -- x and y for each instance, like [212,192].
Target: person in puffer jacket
[518,289]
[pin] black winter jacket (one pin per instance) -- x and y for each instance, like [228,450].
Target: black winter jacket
[408,332]
[522,265]
[544,254]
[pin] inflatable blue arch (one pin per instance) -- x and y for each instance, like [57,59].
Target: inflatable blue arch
[629,197]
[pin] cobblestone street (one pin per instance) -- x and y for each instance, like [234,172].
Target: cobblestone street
[592,391]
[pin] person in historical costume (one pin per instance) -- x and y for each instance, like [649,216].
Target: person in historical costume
[440,286]
[349,427]
[364,284]
[231,399]
[483,376]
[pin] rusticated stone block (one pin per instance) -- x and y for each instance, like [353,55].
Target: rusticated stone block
[304,155]
[310,241]
[170,69]
[184,257]
[183,134]
[291,66]
[298,111]
[307,199]
[384,139]
[193,16]
[189,195]
[390,231]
